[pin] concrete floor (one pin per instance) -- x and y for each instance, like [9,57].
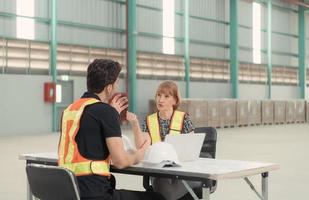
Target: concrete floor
[286,145]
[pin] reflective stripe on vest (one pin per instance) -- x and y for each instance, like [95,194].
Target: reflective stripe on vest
[154,127]
[69,156]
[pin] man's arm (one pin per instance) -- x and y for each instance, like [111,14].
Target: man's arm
[120,158]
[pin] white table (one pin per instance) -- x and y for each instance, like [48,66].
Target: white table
[200,170]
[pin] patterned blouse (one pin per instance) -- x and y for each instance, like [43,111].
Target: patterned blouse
[165,124]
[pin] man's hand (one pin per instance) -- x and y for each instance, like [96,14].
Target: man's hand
[140,153]
[120,158]
[119,103]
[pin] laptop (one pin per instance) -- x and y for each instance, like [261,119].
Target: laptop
[187,146]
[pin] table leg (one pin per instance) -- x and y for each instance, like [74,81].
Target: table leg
[265,185]
[190,190]
[29,193]
[206,193]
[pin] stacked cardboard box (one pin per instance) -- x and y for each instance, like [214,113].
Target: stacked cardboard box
[183,106]
[279,108]
[197,108]
[254,112]
[290,111]
[242,114]
[267,112]
[307,113]
[300,111]
[227,113]
[213,113]
[152,107]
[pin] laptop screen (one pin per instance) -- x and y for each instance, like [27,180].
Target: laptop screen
[187,146]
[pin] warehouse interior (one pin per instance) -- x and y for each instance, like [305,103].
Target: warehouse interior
[241,67]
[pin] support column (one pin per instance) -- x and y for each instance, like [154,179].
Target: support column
[186,47]
[53,56]
[301,52]
[269,47]
[234,48]
[131,54]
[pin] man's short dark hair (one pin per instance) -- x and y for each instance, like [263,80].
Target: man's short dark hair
[100,73]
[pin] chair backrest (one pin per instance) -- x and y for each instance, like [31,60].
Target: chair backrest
[210,142]
[208,151]
[52,182]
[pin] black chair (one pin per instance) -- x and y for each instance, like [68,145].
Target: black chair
[52,183]
[208,151]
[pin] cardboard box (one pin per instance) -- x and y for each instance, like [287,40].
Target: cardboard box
[267,112]
[255,110]
[290,111]
[279,111]
[242,114]
[307,113]
[213,116]
[152,107]
[300,111]
[197,109]
[227,112]
[183,106]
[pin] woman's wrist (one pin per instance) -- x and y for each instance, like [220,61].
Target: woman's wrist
[134,122]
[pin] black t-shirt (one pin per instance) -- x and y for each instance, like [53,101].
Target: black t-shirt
[98,122]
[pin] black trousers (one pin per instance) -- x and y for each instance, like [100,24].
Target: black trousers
[136,195]
[127,194]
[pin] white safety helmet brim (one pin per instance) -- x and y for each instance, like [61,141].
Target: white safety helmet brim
[160,151]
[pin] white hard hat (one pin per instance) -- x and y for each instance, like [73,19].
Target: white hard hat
[160,151]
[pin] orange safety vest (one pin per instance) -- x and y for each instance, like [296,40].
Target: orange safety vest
[68,153]
[154,126]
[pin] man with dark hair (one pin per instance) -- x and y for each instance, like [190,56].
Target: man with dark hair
[91,137]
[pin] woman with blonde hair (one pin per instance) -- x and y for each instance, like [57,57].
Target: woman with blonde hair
[168,120]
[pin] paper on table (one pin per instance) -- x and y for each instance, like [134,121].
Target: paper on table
[162,164]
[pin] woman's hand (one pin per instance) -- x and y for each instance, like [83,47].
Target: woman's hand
[119,103]
[131,117]
[142,141]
